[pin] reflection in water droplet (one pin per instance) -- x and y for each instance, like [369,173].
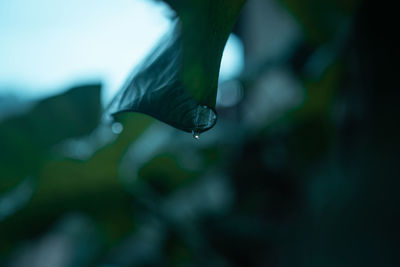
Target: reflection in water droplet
[117,127]
[196,135]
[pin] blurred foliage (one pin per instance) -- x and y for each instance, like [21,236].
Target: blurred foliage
[313,184]
[27,139]
[319,18]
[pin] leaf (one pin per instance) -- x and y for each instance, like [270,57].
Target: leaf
[177,83]
[25,139]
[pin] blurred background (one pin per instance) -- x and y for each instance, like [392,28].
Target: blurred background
[301,168]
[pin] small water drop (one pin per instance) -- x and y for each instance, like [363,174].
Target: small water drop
[196,135]
[117,128]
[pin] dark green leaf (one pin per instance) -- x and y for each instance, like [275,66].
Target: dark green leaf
[177,83]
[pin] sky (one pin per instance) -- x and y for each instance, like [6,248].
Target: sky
[47,46]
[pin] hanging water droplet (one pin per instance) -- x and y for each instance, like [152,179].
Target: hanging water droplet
[196,135]
[203,118]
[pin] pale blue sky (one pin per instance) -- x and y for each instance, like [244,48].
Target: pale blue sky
[48,45]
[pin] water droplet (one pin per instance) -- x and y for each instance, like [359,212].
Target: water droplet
[196,135]
[203,118]
[117,128]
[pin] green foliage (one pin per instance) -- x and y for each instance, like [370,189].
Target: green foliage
[318,18]
[65,185]
[26,140]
